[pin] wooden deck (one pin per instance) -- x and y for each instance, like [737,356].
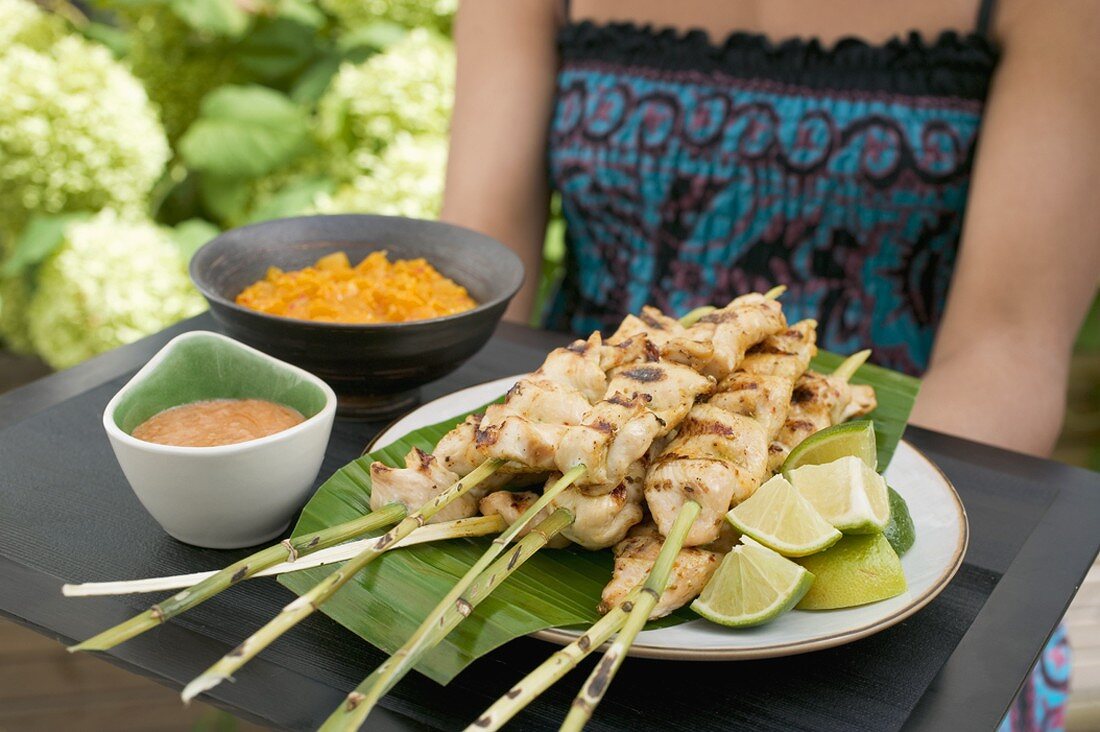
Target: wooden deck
[43,689]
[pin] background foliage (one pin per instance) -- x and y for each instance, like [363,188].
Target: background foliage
[132,131]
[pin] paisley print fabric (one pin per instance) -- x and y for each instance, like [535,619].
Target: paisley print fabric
[1041,704]
[687,183]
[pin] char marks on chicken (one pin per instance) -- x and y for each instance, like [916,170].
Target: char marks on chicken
[717,460]
[421,480]
[634,557]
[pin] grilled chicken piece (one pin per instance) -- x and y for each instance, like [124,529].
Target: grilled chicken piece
[583,365]
[577,366]
[421,480]
[863,402]
[458,452]
[717,459]
[762,397]
[510,505]
[817,402]
[734,329]
[634,557]
[646,401]
[787,353]
[528,426]
[762,387]
[667,335]
[602,516]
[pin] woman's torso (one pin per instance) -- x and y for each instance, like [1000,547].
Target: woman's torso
[691,172]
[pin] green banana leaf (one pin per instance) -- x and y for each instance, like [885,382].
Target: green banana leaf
[386,602]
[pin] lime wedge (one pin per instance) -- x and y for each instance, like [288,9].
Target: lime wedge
[831,443]
[752,586]
[854,571]
[779,517]
[848,494]
[900,532]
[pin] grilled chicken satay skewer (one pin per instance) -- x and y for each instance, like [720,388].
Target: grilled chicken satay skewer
[726,449]
[760,390]
[556,388]
[828,406]
[644,403]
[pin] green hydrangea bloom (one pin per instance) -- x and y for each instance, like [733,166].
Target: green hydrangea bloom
[111,282]
[407,180]
[177,67]
[437,14]
[407,89]
[22,22]
[77,132]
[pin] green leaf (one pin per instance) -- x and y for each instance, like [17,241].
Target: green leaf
[277,49]
[244,132]
[302,11]
[217,17]
[377,35]
[293,199]
[189,235]
[117,41]
[386,602]
[312,83]
[39,239]
[225,198]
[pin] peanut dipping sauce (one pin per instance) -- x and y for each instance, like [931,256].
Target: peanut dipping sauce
[217,422]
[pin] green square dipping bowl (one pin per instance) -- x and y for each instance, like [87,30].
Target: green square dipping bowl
[227,496]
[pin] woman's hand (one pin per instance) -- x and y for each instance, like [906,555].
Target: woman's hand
[1030,255]
[496,173]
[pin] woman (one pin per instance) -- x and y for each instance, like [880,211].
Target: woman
[832,147]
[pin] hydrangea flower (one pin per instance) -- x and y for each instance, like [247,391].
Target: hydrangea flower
[406,180]
[22,22]
[111,282]
[407,89]
[436,14]
[77,132]
[177,68]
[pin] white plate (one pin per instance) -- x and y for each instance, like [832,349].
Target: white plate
[942,534]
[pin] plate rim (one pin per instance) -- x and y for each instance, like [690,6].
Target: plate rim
[642,650]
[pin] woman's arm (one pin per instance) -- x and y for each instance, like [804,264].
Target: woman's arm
[1030,258]
[496,172]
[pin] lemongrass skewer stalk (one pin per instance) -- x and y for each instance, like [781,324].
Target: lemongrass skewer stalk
[554,668]
[360,701]
[306,604]
[655,584]
[345,717]
[695,315]
[308,558]
[847,369]
[236,572]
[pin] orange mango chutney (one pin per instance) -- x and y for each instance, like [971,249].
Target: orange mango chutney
[374,291]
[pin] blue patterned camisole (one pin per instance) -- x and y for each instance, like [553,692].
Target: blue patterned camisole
[691,172]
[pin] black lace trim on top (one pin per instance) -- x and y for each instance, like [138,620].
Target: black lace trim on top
[953,65]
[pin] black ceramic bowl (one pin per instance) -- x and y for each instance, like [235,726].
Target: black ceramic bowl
[375,369]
